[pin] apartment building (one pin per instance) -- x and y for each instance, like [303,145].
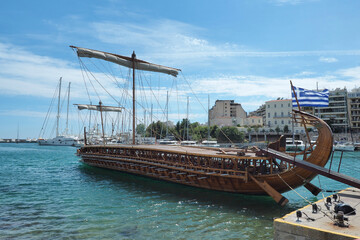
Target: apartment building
[260,112]
[278,113]
[353,104]
[226,113]
[336,114]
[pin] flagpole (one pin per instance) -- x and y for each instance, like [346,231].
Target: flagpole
[302,118]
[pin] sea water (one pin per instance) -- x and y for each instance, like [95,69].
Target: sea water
[46,193]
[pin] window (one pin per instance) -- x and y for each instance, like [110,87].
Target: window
[282,114]
[275,114]
[288,104]
[274,105]
[275,122]
[282,121]
[269,123]
[268,115]
[282,105]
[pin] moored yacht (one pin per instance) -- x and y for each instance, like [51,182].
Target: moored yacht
[294,145]
[344,146]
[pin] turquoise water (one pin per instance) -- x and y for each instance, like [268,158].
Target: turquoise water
[46,193]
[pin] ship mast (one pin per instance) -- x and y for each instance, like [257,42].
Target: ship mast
[67,111]
[129,63]
[58,109]
[133,57]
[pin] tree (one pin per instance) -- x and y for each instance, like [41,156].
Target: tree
[286,129]
[140,129]
[200,133]
[180,130]
[227,134]
[156,129]
[213,130]
[277,130]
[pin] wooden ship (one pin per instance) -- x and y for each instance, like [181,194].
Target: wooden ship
[268,171]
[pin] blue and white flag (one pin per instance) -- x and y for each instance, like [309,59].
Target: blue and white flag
[309,98]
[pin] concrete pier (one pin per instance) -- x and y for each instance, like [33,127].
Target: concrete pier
[325,224]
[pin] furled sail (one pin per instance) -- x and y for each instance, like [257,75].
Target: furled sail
[125,61]
[97,108]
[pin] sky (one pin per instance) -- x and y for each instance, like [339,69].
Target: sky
[247,51]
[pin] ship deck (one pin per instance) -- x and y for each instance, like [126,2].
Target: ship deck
[192,150]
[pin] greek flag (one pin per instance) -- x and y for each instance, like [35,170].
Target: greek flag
[309,98]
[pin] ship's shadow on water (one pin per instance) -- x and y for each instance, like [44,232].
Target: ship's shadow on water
[258,205]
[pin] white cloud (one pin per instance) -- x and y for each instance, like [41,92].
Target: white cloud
[352,73]
[289,2]
[177,40]
[328,59]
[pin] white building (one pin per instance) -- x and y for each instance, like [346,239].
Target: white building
[278,114]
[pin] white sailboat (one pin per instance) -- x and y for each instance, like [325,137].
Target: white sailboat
[65,139]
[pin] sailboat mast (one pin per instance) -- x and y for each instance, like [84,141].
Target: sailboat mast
[133,65]
[102,123]
[67,111]
[151,120]
[58,109]
[167,112]
[208,117]
[187,119]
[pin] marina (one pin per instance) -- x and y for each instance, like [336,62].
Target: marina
[67,199]
[187,120]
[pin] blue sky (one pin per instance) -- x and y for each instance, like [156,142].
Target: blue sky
[242,50]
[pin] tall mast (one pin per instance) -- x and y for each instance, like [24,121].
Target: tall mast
[187,119]
[58,110]
[151,120]
[67,111]
[133,56]
[167,111]
[102,123]
[17,135]
[144,122]
[208,117]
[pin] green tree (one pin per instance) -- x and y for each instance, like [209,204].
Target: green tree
[227,134]
[156,129]
[213,130]
[140,129]
[277,130]
[199,133]
[286,129]
[180,130]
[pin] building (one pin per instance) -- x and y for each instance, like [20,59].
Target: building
[226,113]
[260,112]
[252,121]
[353,104]
[336,113]
[278,113]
